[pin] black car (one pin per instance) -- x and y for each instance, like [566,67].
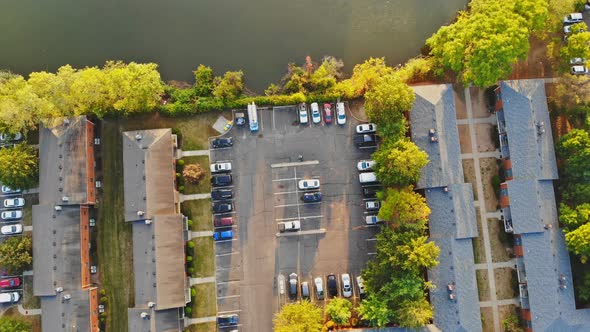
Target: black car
[332,286]
[221,180]
[312,197]
[365,140]
[220,194]
[227,320]
[224,142]
[222,207]
[293,285]
[370,192]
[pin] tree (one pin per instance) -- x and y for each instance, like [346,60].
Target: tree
[55,88]
[375,310]
[419,254]
[578,242]
[19,166]
[404,207]
[13,325]
[339,310]
[16,254]
[193,173]
[20,107]
[399,162]
[204,81]
[229,86]
[325,76]
[364,77]
[302,317]
[511,324]
[387,98]
[573,218]
[572,94]
[578,43]
[414,313]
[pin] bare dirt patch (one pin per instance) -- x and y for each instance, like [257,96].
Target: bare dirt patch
[357,109]
[460,109]
[489,168]
[478,104]
[464,138]
[479,252]
[469,175]
[483,135]
[505,278]
[505,311]
[487,319]
[499,242]
[483,285]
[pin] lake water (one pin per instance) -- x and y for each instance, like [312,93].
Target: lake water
[259,36]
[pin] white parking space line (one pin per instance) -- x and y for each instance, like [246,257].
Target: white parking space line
[300,163]
[286,192]
[289,179]
[222,161]
[218,214]
[371,253]
[227,297]
[228,254]
[223,241]
[373,239]
[298,204]
[300,218]
[226,187]
[228,311]
[311,232]
[227,282]
[273,119]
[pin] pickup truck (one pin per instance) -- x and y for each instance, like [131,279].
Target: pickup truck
[289,226]
[220,167]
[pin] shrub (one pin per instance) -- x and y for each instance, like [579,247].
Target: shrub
[193,173]
[190,244]
[181,189]
[189,258]
[191,270]
[177,175]
[496,181]
[188,310]
[193,292]
[180,162]
[102,292]
[103,299]
[190,225]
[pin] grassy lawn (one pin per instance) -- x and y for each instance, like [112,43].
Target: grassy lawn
[499,242]
[483,285]
[29,301]
[204,186]
[205,327]
[114,238]
[205,304]
[33,321]
[30,200]
[199,211]
[203,257]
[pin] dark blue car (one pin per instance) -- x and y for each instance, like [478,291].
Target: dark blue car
[311,197]
[223,235]
[227,320]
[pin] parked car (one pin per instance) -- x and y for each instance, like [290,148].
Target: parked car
[579,70]
[223,222]
[11,229]
[568,29]
[9,283]
[221,180]
[220,167]
[332,285]
[12,214]
[328,113]
[223,235]
[372,220]
[293,285]
[370,192]
[319,288]
[312,197]
[573,18]
[316,117]
[577,61]
[220,194]
[223,142]
[372,205]
[8,190]
[11,297]
[227,320]
[289,226]
[366,128]
[14,202]
[340,114]
[365,140]
[305,290]
[303,119]
[346,286]
[309,184]
[367,178]
[365,165]
[222,207]
[6,137]
[361,285]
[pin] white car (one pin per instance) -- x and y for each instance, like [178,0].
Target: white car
[289,226]
[12,215]
[365,165]
[220,167]
[316,116]
[366,128]
[568,30]
[372,205]
[340,114]
[11,229]
[573,18]
[14,202]
[579,70]
[303,113]
[372,220]
[11,297]
[346,286]
[319,288]
[309,184]
[361,284]
[577,61]
[8,190]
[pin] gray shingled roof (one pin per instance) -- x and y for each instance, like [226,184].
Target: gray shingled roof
[148,173]
[434,108]
[452,224]
[160,321]
[525,108]
[527,206]
[62,161]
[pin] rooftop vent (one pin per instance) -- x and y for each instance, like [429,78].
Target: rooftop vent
[138,137]
[59,289]
[66,122]
[140,213]
[151,304]
[148,221]
[433,139]
[144,315]
[432,132]
[541,128]
[446,189]
[67,297]
[57,208]
[65,199]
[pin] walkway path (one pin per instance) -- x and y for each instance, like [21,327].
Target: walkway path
[194,196]
[28,228]
[28,312]
[198,281]
[498,265]
[201,234]
[191,321]
[514,301]
[491,119]
[193,153]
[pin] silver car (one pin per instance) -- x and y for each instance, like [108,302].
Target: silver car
[12,215]
[11,229]
[14,202]
[346,285]
[319,288]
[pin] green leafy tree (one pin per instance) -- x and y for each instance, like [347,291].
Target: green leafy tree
[578,242]
[19,166]
[419,254]
[573,218]
[55,89]
[414,313]
[295,79]
[511,324]
[376,311]
[583,288]
[399,162]
[229,86]
[325,76]
[364,77]
[302,317]
[16,254]
[404,207]
[339,310]
[572,94]
[14,325]
[387,98]
[578,44]
[204,84]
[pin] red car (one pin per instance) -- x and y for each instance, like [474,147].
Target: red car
[328,111]
[9,283]
[223,222]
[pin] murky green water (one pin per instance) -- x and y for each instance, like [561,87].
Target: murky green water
[258,36]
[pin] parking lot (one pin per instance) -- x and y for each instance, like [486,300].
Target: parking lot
[6,224]
[333,238]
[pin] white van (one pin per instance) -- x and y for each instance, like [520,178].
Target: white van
[368,177]
[11,297]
